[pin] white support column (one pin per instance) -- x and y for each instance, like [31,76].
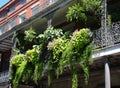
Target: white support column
[107,75]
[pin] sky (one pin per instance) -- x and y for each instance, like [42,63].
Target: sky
[2,2]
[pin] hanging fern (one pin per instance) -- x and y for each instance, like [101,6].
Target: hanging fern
[32,56]
[56,47]
[38,72]
[85,61]
[28,73]
[74,80]
[76,13]
[61,52]
[65,60]
[78,50]
[74,76]
[18,74]
[93,6]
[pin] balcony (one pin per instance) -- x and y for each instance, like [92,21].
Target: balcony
[7,20]
[111,38]
[107,43]
[4,77]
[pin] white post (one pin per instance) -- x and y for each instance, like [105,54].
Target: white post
[107,76]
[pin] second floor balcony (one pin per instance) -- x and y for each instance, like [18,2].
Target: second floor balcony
[102,39]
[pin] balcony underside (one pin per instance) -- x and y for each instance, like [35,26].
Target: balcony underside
[6,44]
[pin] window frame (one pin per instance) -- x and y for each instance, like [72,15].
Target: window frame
[2,29]
[13,22]
[35,9]
[3,14]
[20,15]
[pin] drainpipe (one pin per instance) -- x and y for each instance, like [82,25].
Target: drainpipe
[107,74]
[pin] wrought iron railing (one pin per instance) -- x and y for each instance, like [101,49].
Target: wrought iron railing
[113,36]
[4,76]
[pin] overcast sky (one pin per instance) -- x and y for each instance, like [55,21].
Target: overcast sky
[2,2]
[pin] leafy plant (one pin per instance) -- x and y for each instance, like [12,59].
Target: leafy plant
[79,51]
[85,12]
[56,47]
[17,60]
[23,66]
[30,35]
[76,13]
[92,6]
[38,72]
[19,74]
[49,34]
[32,56]
[61,52]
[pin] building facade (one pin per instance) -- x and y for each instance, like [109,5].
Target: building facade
[19,15]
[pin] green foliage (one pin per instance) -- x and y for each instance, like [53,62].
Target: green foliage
[28,73]
[17,60]
[56,47]
[61,51]
[76,13]
[82,10]
[65,58]
[79,51]
[38,72]
[85,61]
[52,33]
[30,35]
[49,34]
[23,66]
[80,38]
[74,80]
[92,6]
[18,74]
[32,56]
[74,75]
[82,50]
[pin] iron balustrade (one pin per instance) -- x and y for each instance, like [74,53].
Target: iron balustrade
[4,76]
[113,36]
